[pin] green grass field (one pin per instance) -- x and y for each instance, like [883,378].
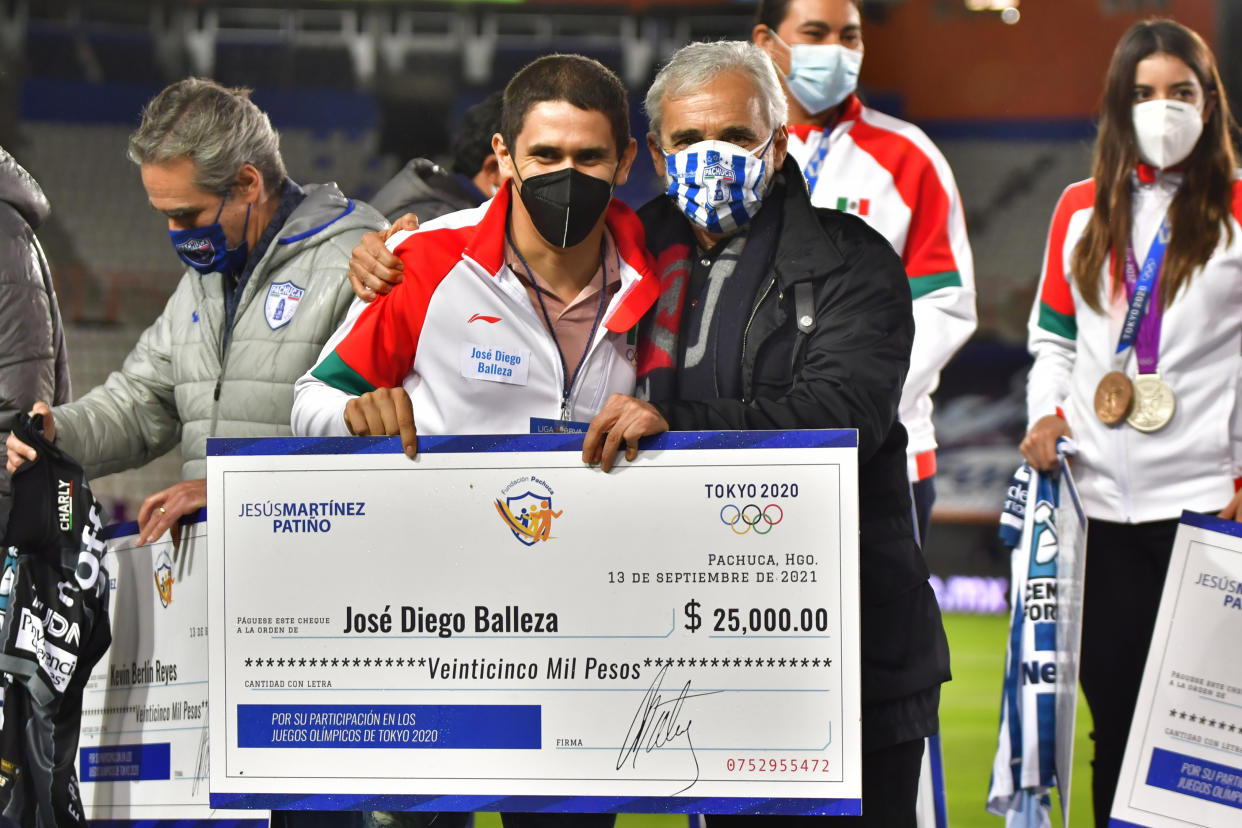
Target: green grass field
[969,714]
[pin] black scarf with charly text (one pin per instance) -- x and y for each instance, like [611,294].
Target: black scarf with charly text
[55,630]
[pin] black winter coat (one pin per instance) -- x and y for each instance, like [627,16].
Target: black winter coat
[845,371]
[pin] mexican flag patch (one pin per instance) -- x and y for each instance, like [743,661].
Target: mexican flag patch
[858,206]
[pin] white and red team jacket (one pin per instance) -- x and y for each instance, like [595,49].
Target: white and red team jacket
[1125,475]
[888,172]
[459,333]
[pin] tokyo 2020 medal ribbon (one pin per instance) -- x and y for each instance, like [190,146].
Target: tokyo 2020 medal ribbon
[495,625]
[142,753]
[1183,760]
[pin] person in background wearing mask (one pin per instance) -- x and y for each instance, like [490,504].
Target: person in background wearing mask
[887,171]
[262,292]
[1152,242]
[776,315]
[427,190]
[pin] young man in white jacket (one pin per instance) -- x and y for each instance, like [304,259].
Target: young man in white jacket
[518,309]
[513,312]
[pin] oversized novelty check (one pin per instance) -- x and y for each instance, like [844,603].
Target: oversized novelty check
[496,626]
[1183,761]
[142,752]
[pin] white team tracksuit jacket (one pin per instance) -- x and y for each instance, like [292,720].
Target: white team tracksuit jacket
[461,336]
[1125,475]
[890,173]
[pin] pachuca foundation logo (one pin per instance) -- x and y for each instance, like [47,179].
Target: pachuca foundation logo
[525,505]
[164,577]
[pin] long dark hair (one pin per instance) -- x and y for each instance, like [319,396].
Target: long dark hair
[1201,206]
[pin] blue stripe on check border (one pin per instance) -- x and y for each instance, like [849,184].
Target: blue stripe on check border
[1183,774]
[179,823]
[680,440]
[107,764]
[457,726]
[1212,523]
[542,804]
[130,527]
[685,440]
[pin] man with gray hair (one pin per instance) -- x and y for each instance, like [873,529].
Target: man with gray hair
[263,290]
[774,314]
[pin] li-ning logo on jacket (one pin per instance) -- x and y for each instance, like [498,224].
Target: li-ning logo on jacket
[64,504]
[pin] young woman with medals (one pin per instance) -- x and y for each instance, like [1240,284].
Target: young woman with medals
[1137,339]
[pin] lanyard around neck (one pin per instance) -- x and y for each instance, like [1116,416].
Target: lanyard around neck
[547,318]
[1144,282]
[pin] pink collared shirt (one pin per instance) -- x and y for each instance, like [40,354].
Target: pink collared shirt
[571,323]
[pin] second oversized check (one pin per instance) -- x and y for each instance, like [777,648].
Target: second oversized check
[495,625]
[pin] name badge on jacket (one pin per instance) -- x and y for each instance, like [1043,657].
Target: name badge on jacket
[494,364]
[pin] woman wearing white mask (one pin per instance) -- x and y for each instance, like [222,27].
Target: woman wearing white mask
[1137,336]
[888,172]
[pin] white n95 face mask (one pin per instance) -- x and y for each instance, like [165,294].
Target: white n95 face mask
[821,76]
[1167,131]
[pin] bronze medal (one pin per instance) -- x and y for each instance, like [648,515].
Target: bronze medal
[1113,397]
[1154,403]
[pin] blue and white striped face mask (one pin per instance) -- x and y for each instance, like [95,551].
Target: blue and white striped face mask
[718,185]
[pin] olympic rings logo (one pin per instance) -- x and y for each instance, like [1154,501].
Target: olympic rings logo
[750,516]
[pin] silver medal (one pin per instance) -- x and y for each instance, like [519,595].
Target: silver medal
[1153,403]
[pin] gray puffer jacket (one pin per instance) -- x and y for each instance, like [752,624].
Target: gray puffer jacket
[427,190]
[34,364]
[183,380]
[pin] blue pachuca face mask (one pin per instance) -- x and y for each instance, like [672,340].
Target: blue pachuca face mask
[718,185]
[205,248]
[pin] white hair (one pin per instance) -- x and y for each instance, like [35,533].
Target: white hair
[696,64]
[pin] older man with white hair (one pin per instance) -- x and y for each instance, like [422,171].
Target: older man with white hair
[774,314]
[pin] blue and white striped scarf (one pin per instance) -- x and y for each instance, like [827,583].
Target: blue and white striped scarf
[1024,770]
